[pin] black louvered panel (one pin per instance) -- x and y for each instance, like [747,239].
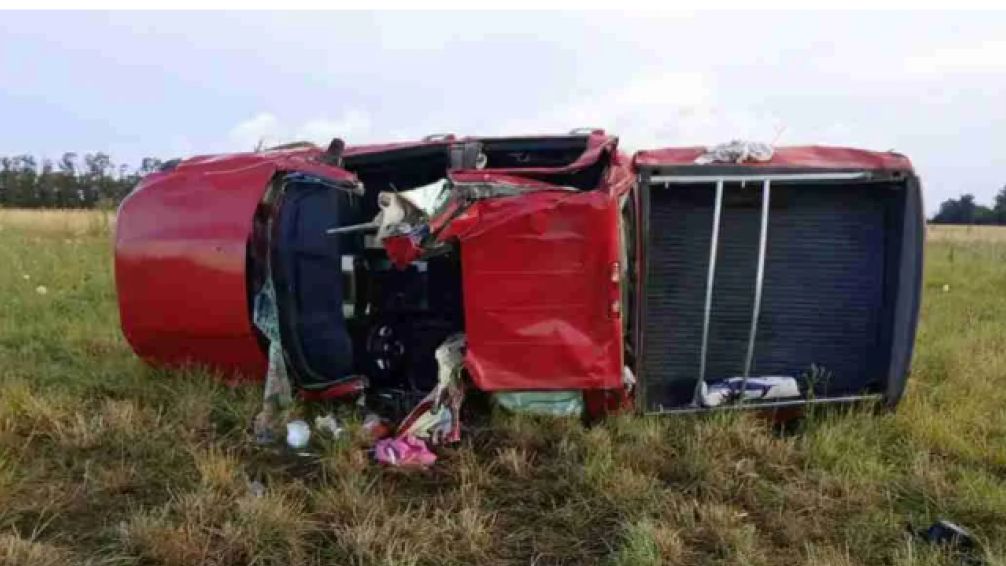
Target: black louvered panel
[824,278]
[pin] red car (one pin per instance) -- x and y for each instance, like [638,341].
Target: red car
[675,279]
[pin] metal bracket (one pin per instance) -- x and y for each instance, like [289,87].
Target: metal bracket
[710,279]
[766,189]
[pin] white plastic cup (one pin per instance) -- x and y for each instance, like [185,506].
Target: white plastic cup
[298,433]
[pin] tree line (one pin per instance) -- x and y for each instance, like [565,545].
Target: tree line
[965,210]
[93,181]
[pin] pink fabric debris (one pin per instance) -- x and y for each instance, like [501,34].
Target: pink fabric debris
[404,452]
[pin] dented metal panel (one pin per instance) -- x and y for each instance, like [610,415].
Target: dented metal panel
[541,305]
[180,259]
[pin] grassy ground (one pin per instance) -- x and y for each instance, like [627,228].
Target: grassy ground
[103,460]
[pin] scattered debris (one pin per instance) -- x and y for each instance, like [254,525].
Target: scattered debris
[403,211]
[405,248]
[329,425]
[277,394]
[816,380]
[628,379]
[262,430]
[752,388]
[438,415]
[404,452]
[954,538]
[376,426]
[736,151]
[256,488]
[352,387]
[298,434]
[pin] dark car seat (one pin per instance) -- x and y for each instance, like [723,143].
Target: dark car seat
[308,275]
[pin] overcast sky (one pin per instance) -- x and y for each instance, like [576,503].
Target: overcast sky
[932,86]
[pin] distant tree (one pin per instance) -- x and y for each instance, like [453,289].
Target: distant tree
[959,211]
[149,165]
[67,189]
[67,183]
[96,181]
[6,181]
[984,215]
[67,164]
[999,208]
[45,186]
[965,210]
[25,170]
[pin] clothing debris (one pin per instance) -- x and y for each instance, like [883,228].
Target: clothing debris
[404,452]
[736,151]
[756,388]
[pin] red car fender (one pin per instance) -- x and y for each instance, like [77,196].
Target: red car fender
[180,259]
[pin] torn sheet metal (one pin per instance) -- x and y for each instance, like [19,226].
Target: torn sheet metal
[438,416]
[418,223]
[404,211]
[428,199]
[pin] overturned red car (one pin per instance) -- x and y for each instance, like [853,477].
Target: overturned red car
[557,269]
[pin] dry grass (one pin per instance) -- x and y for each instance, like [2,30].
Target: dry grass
[961,234]
[106,461]
[72,223]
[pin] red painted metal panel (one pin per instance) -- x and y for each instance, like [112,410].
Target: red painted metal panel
[538,291]
[809,157]
[180,259]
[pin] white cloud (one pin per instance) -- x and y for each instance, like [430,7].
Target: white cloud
[656,109]
[266,129]
[263,128]
[354,126]
[989,56]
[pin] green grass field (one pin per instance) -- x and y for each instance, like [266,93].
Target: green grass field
[105,461]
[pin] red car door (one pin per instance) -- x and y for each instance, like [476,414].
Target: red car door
[542,280]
